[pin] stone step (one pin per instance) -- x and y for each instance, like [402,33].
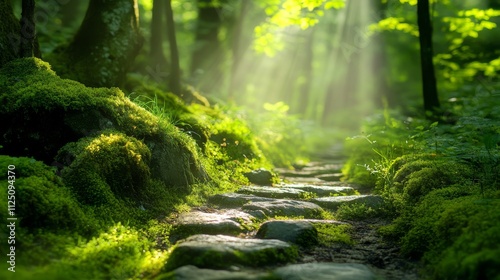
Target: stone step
[299,232]
[191,272]
[322,191]
[334,202]
[235,200]
[272,192]
[308,271]
[225,252]
[227,222]
[324,271]
[282,207]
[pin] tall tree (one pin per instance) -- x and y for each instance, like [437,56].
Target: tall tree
[206,56]
[430,93]
[175,69]
[28,30]
[9,33]
[157,56]
[104,47]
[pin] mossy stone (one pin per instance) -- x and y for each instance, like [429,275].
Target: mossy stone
[47,112]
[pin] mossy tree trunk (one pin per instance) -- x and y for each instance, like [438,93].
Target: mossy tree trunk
[175,69]
[9,33]
[430,93]
[105,46]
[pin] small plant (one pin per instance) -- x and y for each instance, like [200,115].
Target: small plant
[356,212]
[307,195]
[329,233]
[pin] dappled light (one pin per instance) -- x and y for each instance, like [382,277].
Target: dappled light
[265,139]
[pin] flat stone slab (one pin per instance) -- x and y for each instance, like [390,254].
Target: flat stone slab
[190,272]
[224,252]
[283,207]
[335,177]
[322,190]
[334,202]
[272,192]
[228,222]
[299,232]
[235,200]
[324,271]
[311,170]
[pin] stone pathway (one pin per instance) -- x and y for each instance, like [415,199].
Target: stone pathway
[243,235]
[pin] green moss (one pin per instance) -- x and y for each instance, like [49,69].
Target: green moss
[333,233]
[47,112]
[42,201]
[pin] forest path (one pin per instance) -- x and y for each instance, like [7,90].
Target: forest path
[227,239]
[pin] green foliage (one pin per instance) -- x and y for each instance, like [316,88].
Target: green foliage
[357,212]
[329,233]
[42,200]
[286,13]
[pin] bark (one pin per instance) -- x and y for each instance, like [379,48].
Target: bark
[237,50]
[157,57]
[28,30]
[104,47]
[430,93]
[175,70]
[206,57]
[9,33]
[307,72]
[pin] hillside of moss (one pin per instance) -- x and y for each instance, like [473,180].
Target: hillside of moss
[95,169]
[441,182]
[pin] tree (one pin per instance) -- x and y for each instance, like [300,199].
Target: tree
[430,93]
[156,41]
[9,33]
[174,80]
[104,47]
[206,56]
[28,30]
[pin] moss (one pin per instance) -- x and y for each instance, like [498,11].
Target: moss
[43,202]
[333,233]
[111,164]
[47,112]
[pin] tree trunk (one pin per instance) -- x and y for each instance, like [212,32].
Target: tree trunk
[206,57]
[104,47]
[307,72]
[28,30]
[237,50]
[157,57]
[9,33]
[430,93]
[175,70]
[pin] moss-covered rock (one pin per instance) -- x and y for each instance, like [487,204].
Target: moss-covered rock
[455,232]
[47,112]
[107,166]
[42,201]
